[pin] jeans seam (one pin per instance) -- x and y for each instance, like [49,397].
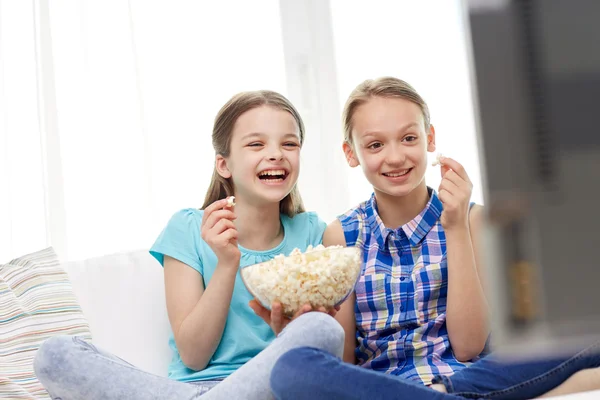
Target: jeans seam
[529,382]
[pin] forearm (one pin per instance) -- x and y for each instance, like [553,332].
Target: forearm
[467,313]
[201,331]
[347,320]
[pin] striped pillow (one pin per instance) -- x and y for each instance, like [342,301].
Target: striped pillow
[36,302]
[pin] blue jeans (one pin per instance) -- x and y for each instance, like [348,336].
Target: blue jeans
[72,369]
[312,374]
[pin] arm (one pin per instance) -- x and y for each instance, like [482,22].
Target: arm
[467,313]
[347,319]
[334,235]
[197,316]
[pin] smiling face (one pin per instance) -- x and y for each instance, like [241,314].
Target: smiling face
[264,158]
[390,143]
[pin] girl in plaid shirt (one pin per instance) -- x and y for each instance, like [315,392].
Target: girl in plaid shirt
[419,312]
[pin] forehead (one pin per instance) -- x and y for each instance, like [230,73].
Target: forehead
[265,120]
[386,115]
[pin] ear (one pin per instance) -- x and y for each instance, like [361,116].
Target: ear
[350,156]
[431,139]
[221,166]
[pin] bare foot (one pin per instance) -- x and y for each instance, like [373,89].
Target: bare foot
[581,381]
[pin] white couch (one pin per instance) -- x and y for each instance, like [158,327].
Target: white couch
[122,297]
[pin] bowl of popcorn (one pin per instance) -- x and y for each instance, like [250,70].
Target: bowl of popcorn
[321,276]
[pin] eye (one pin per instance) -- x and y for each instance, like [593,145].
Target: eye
[375,145]
[291,144]
[410,138]
[255,144]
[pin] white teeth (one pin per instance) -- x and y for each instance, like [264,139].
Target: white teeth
[272,172]
[396,174]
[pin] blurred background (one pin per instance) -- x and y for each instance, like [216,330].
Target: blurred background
[106,108]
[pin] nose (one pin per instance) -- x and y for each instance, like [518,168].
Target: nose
[395,155]
[275,154]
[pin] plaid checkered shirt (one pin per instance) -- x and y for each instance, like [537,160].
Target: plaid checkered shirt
[402,292]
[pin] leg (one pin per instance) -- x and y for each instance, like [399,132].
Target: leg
[494,377]
[251,382]
[70,368]
[312,374]
[582,381]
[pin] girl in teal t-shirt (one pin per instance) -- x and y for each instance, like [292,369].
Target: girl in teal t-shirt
[221,348]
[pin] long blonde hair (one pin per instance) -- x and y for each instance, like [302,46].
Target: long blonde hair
[221,139]
[386,86]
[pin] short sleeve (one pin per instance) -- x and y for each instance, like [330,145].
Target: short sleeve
[180,239]
[351,225]
[316,228]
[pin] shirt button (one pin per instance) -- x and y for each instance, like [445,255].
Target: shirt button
[402,278]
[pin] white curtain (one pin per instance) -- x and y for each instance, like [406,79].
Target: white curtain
[422,42]
[106,108]
[22,210]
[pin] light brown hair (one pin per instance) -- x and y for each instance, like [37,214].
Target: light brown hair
[225,120]
[386,86]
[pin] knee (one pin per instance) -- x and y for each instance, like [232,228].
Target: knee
[293,360]
[319,330]
[291,375]
[53,357]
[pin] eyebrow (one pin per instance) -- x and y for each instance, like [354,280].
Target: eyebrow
[404,128]
[260,134]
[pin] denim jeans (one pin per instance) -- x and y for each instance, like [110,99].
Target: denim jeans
[312,374]
[72,369]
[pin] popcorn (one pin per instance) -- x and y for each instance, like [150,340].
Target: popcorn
[230,201]
[321,276]
[438,160]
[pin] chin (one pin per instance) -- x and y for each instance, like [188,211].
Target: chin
[396,190]
[274,196]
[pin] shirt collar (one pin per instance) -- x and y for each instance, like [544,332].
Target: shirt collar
[415,230]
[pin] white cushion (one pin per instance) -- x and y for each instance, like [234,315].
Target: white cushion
[122,296]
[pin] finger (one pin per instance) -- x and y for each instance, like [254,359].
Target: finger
[229,236]
[444,170]
[210,220]
[213,207]
[259,310]
[448,186]
[456,167]
[333,312]
[453,177]
[276,317]
[303,310]
[444,196]
[220,227]
[449,201]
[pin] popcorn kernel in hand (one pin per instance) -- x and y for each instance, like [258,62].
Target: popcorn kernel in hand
[438,160]
[230,201]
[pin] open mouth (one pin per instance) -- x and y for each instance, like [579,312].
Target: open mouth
[273,175]
[397,174]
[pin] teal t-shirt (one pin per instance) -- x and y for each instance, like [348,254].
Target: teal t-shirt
[245,334]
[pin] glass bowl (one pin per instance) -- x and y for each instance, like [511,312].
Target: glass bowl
[321,276]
